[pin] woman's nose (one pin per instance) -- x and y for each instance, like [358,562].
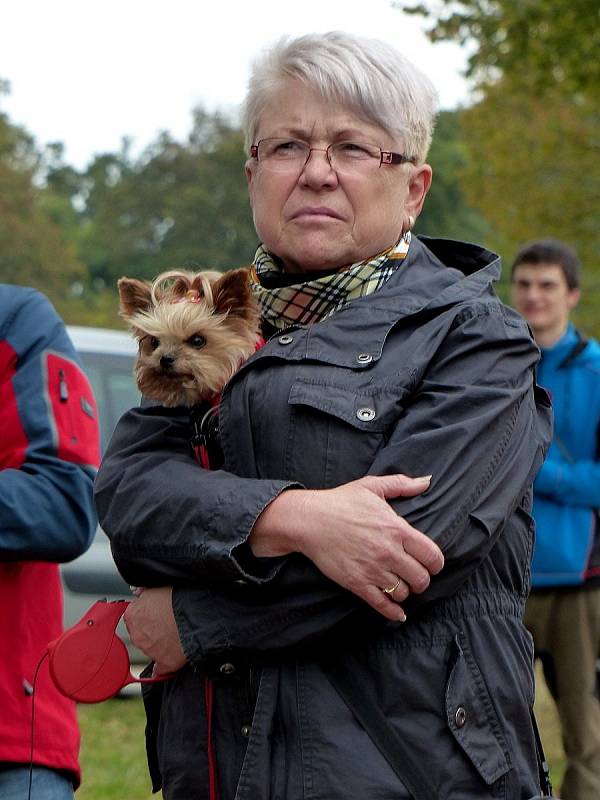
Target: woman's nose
[317,170]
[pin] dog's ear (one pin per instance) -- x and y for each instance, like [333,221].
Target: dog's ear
[232,293]
[134,295]
[180,286]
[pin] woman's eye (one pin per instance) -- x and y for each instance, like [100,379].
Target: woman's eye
[154,342]
[288,148]
[197,341]
[354,150]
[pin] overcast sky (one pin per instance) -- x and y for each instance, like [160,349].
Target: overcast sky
[87,73]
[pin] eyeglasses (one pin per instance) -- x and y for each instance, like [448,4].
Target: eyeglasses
[291,155]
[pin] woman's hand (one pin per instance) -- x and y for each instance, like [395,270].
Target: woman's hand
[153,630]
[355,538]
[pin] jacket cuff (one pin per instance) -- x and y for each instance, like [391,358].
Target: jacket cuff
[251,568]
[191,610]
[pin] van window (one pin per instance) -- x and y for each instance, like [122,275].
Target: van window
[114,388]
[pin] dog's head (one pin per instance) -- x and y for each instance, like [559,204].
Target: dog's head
[193,330]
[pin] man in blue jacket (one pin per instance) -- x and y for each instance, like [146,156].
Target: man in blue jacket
[563,611]
[49,453]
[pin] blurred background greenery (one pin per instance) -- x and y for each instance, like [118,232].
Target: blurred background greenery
[520,162]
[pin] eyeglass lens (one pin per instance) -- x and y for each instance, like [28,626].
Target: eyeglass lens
[291,154]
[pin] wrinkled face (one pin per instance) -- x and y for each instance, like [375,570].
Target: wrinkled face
[321,219]
[541,294]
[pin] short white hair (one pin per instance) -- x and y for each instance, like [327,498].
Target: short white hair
[368,76]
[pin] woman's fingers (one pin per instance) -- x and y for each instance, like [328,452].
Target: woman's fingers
[422,549]
[411,572]
[414,557]
[395,588]
[354,536]
[382,603]
[398,485]
[152,628]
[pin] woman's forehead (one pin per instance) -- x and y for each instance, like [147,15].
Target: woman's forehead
[295,109]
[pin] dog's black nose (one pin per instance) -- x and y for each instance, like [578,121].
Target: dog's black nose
[166,362]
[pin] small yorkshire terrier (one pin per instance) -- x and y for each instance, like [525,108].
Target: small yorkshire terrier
[194,329]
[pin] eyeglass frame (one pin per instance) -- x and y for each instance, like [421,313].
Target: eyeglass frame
[386,157]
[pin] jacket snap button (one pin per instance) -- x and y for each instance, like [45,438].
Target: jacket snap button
[227,669]
[364,358]
[460,717]
[286,339]
[246,731]
[365,414]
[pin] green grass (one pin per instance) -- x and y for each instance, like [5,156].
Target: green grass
[113,755]
[549,726]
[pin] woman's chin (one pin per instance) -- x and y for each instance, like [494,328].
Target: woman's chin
[316,255]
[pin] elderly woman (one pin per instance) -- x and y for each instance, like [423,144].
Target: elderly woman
[338,629]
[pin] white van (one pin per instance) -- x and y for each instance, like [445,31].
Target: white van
[107,358]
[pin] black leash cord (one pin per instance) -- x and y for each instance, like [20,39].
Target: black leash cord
[35,675]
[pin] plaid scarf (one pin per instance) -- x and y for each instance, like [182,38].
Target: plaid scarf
[282,302]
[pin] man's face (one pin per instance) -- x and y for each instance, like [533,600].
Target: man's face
[540,293]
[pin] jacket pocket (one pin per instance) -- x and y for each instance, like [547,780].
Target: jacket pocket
[369,409]
[471,717]
[336,429]
[72,411]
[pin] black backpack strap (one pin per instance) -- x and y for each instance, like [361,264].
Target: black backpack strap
[347,681]
[578,347]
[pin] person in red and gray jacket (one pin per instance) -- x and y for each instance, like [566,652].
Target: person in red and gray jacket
[49,453]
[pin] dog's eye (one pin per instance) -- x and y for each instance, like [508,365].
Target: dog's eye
[154,342]
[197,341]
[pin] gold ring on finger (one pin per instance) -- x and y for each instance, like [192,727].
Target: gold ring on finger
[391,589]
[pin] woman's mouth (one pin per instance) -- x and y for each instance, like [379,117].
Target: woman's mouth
[316,212]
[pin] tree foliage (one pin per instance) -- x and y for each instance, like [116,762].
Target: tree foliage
[34,247]
[447,212]
[178,204]
[532,136]
[544,42]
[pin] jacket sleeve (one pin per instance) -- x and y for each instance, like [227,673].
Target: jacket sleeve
[293,613]
[481,427]
[169,520]
[473,424]
[569,483]
[49,443]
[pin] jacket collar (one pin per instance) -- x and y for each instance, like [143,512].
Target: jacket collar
[436,273]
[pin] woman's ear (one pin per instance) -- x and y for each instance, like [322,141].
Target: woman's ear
[418,186]
[249,172]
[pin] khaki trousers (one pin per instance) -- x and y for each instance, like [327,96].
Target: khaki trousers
[565,626]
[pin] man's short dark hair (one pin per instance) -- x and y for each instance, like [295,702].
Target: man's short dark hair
[550,251]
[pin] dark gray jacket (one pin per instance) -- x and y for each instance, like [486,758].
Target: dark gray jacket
[432,374]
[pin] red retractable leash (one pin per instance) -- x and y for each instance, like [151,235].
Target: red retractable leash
[89,662]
